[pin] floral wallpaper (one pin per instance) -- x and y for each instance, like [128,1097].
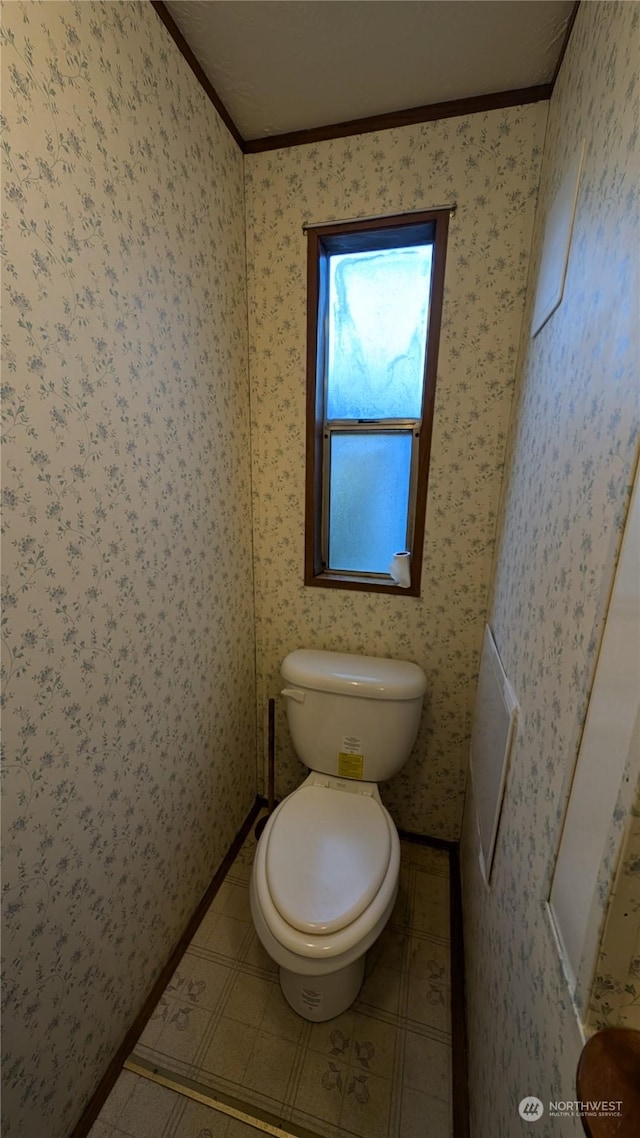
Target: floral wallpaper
[128,647]
[570,466]
[488,165]
[129,653]
[615,994]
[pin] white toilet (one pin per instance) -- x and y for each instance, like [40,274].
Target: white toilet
[325,874]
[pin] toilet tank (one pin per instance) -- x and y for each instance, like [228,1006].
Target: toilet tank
[352,716]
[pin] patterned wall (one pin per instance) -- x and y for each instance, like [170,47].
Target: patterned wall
[489,165]
[128,676]
[615,994]
[570,466]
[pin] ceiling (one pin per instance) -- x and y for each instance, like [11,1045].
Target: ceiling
[287,65]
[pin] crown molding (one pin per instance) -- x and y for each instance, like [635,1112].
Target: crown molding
[203,79]
[412,116]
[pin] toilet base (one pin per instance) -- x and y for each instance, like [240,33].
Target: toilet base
[318,998]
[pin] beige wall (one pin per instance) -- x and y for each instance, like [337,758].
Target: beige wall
[129,638]
[571,461]
[488,164]
[128,658]
[615,992]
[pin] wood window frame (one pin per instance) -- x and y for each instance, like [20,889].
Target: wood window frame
[372,233]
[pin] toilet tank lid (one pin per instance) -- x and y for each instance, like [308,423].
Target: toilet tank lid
[369,677]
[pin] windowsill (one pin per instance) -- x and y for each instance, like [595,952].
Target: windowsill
[361,584]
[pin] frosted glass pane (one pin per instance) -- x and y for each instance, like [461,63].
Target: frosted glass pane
[378,309]
[368,499]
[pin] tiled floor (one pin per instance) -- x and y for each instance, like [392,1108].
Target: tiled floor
[380,1070]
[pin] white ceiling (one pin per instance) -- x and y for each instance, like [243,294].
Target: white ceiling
[286,65]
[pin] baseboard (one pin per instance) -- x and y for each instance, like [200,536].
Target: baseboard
[107,1082]
[425,840]
[459,1047]
[263,803]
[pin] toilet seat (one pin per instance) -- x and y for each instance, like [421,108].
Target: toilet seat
[353,937]
[326,858]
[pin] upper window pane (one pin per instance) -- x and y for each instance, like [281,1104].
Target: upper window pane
[378,315]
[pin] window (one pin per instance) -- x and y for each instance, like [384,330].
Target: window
[374,306]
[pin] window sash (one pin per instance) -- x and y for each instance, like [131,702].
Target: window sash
[368,427]
[369,233]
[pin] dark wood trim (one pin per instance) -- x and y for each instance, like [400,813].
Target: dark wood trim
[410,117]
[459,1048]
[198,71]
[314,411]
[367,233]
[565,43]
[431,373]
[100,1095]
[425,840]
[360,585]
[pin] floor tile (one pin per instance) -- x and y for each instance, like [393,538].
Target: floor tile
[401,914]
[155,1024]
[431,889]
[429,995]
[280,1019]
[388,951]
[255,955]
[433,920]
[333,1037]
[229,937]
[424,1117]
[236,903]
[224,1021]
[182,1033]
[381,990]
[101,1130]
[119,1096]
[248,999]
[366,1105]
[229,1052]
[204,981]
[427,1066]
[241,869]
[425,857]
[321,1086]
[373,1046]
[270,1066]
[176,983]
[148,1110]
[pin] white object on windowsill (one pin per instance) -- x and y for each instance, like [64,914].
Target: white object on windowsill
[400,569]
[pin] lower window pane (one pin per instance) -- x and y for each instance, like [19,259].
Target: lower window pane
[368,499]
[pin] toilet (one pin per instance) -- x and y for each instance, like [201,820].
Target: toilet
[326,870]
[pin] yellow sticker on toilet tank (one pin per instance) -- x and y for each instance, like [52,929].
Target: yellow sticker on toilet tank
[350,766]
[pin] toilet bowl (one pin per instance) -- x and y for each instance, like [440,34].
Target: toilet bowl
[326,870]
[323,887]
